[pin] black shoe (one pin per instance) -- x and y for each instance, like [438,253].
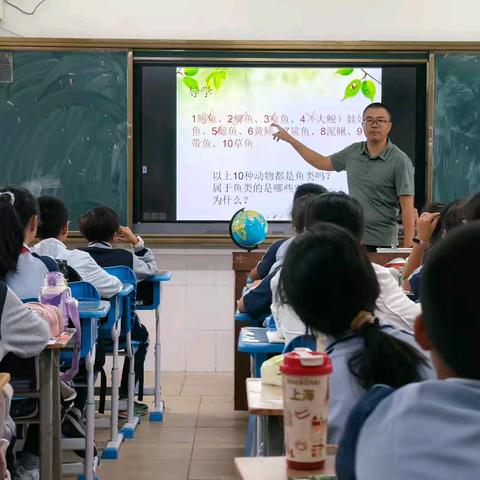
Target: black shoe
[72,427]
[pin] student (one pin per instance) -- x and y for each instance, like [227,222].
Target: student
[331,285]
[430,429]
[257,300]
[262,269]
[392,305]
[452,217]
[26,269]
[53,231]
[101,227]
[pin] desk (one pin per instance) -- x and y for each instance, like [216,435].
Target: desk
[275,468]
[50,421]
[90,313]
[266,402]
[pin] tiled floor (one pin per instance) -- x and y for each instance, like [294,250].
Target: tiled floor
[199,438]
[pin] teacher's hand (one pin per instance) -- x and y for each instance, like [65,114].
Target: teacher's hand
[282,134]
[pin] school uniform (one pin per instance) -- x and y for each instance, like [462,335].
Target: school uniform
[427,430]
[141,260]
[83,263]
[23,331]
[345,391]
[270,257]
[257,301]
[27,280]
[392,306]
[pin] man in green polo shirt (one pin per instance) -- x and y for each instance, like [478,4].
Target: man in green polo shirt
[379,175]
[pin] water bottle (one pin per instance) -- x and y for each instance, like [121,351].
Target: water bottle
[305,410]
[55,291]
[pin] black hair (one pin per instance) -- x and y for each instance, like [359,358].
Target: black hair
[25,203]
[377,105]
[453,216]
[338,208]
[435,207]
[450,300]
[53,217]
[328,279]
[99,224]
[298,212]
[11,235]
[472,208]
[308,189]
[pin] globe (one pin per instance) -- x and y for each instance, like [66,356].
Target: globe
[248,229]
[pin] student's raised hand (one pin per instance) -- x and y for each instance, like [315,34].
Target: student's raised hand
[426,224]
[282,134]
[125,235]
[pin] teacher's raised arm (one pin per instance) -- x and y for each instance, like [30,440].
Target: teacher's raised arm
[311,156]
[380,176]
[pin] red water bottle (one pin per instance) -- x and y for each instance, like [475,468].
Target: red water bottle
[305,408]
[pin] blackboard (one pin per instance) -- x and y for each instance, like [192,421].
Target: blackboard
[64,129]
[456,147]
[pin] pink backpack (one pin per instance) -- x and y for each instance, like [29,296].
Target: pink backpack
[52,315]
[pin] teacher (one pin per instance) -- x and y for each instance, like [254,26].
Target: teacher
[379,176]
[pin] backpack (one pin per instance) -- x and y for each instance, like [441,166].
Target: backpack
[52,315]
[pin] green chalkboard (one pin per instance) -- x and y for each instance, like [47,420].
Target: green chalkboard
[456,159]
[63,128]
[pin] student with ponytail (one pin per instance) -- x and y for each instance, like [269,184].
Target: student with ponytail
[22,270]
[331,285]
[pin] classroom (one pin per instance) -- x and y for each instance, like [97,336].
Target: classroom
[237,239]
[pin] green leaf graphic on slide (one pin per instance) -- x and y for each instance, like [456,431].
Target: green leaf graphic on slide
[191,83]
[369,89]
[216,78]
[344,71]
[191,72]
[352,88]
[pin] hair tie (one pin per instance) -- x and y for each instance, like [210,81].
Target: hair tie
[11,196]
[363,318]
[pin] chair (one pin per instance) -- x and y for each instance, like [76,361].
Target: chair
[148,298]
[302,341]
[128,347]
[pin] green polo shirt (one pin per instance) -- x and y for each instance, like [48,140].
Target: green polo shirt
[377,182]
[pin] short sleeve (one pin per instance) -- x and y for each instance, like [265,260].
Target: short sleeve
[340,159]
[404,178]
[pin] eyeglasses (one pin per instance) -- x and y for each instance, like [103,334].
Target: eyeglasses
[375,121]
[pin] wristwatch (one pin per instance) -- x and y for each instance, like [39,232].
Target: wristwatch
[420,242]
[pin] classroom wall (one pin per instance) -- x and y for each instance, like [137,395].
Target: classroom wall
[426,20]
[197,311]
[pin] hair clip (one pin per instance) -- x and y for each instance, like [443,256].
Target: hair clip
[11,195]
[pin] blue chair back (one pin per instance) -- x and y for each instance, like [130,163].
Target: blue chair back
[302,341]
[127,277]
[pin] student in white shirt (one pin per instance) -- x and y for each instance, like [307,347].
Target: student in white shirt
[392,305]
[331,285]
[431,430]
[53,231]
[18,226]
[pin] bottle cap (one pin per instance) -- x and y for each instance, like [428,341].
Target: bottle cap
[302,361]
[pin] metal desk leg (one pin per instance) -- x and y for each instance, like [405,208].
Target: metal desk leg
[158,407]
[46,413]
[56,416]
[272,433]
[90,418]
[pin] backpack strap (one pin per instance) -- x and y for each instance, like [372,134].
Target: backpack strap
[49,262]
[347,450]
